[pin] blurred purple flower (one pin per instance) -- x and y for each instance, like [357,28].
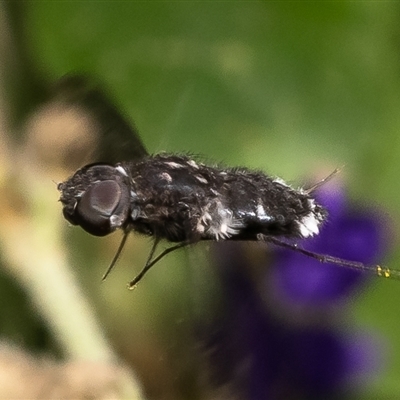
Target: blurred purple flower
[261,346]
[351,234]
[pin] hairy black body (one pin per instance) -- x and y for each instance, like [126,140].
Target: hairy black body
[175,198]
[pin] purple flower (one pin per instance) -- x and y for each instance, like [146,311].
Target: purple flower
[350,233]
[278,335]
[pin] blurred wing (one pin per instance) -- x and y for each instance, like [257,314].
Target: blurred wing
[115,139]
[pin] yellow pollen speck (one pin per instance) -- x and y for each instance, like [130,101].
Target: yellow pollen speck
[384,272]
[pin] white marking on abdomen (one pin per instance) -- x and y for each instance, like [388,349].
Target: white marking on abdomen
[281,182]
[309,225]
[218,221]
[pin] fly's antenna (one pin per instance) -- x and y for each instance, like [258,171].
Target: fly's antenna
[322,181]
[377,270]
[117,255]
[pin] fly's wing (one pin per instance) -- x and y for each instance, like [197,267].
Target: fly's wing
[115,138]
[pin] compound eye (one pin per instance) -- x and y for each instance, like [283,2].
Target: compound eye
[97,205]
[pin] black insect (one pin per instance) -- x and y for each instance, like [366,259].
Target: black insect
[181,200]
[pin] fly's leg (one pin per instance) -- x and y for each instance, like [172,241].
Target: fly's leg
[149,263]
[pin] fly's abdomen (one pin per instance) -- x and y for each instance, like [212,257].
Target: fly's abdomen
[267,206]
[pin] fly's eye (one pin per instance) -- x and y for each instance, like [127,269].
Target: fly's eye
[98,205]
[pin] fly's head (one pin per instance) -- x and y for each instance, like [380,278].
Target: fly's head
[97,198]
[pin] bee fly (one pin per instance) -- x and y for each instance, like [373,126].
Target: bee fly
[183,201]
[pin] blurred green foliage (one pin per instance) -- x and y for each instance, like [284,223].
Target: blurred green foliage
[293,88]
